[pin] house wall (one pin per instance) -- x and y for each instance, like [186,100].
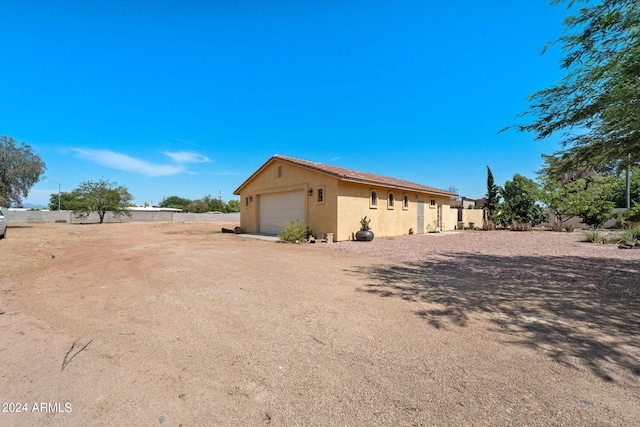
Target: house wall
[345,203]
[468,216]
[354,204]
[577,223]
[320,217]
[472,215]
[449,216]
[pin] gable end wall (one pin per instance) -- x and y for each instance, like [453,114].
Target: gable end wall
[320,217]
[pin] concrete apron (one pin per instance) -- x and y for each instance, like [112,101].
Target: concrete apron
[258,236]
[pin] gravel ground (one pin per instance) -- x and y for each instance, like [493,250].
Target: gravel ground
[179,324]
[553,259]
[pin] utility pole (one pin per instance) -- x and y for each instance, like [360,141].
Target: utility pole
[58,191]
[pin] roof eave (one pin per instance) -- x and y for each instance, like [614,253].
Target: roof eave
[340,176]
[399,187]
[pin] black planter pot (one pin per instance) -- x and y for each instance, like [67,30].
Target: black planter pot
[364,236]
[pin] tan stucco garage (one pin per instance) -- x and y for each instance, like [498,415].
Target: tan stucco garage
[332,199]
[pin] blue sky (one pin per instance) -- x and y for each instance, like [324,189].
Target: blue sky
[190,97]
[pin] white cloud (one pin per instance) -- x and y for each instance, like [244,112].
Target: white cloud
[123,162]
[186,157]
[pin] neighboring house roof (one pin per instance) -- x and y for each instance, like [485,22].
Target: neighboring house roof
[477,203]
[345,174]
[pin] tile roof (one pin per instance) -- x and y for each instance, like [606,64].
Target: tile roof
[353,175]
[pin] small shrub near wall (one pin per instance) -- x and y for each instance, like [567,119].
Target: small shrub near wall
[521,226]
[488,225]
[628,235]
[594,236]
[294,232]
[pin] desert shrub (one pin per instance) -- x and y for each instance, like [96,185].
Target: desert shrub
[521,226]
[633,213]
[488,225]
[559,228]
[621,221]
[629,235]
[556,227]
[294,232]
[594,236]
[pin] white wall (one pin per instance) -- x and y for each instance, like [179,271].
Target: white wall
[20,215]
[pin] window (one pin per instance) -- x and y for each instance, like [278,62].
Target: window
[405,202]
[320,195]
[279,171]
[246,202]
[432,203]
[373,200]
[391,201]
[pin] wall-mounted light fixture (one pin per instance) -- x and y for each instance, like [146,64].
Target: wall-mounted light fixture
[310,192]
[251,198]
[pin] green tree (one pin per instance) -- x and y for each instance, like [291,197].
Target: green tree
[206,204]
[233,206]
[101,197]
[597,204]
[563,199]
[563,192]
[20,169]
[68,200]
[174,202]
[584,193]
[595,106]
[214,205]
[520,184]
[522,211]
[520,207]
[197,206]
[493,197]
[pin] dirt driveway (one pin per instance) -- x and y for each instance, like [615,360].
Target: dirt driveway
[178,324]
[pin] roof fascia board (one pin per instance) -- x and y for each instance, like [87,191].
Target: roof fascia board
[398,187]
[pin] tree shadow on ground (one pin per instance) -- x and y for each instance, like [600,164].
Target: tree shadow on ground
[573,308]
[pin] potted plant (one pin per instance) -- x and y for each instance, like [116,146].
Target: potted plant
[365,234]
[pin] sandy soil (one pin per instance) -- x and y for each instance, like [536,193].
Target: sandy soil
[179,324]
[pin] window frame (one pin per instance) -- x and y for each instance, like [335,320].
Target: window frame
[320,192]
